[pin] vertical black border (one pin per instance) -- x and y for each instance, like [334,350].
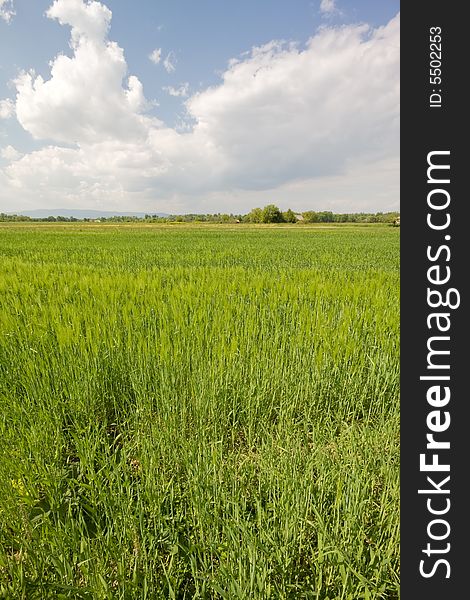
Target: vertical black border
[425,129]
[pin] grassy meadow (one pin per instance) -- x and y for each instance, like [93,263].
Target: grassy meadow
[193,411]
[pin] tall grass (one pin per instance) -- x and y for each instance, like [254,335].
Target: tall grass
[199,412]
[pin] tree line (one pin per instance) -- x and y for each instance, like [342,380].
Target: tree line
[269,214]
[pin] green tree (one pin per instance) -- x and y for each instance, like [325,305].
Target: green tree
[310,216]
[325,216]
[255,216]
[271,214]
[289,216]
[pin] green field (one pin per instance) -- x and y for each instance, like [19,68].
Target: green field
[199,412]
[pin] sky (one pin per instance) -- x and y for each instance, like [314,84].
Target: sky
[178,106]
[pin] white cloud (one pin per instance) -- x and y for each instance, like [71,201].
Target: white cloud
[328,7]
[84,99]
[7,108]
[156,55]
[282,118]
[181,91]
[89,20]
[7,12]
[9,153]
[285,113]
[170,62]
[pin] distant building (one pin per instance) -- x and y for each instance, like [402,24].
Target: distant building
[299,217]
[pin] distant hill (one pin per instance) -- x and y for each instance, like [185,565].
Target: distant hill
[43,213]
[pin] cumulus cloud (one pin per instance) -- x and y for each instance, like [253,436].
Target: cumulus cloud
[9,153]
[156,55]
[89,20]
[170,62]
[7,12]
[88,95]
[7,108]
[281,114]
[284,112]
